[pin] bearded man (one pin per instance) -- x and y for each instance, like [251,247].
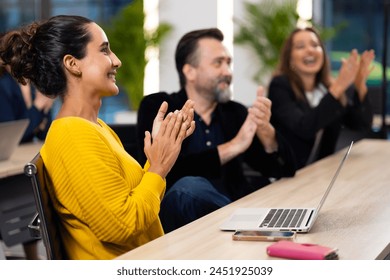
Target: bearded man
[228,138]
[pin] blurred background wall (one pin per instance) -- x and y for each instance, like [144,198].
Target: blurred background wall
[363,29]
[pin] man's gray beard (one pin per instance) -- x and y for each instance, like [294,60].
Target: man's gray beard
[223,95]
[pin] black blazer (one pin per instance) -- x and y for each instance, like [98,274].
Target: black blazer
[299,123]
[207,163]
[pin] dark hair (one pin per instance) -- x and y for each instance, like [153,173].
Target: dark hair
[284,67]
[35,52]
[187,47]
[2,66]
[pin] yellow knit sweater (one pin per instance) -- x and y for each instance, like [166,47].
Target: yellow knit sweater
[107,203]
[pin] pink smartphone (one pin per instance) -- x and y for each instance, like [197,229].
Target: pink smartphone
[301,251]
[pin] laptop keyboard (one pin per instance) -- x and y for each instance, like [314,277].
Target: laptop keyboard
[285,218]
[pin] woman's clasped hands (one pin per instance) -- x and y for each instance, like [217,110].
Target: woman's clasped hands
[354,70]
[163,145]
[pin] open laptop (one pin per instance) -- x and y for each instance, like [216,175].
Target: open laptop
[280,219]
[11,133]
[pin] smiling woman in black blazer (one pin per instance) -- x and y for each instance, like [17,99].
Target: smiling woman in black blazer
[309,107]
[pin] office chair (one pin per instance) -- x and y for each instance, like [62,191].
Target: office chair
[46,222]
[17,208]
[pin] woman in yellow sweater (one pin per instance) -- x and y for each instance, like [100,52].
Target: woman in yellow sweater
[108,203]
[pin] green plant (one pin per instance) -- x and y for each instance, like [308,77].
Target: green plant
[129,41]
[264,29]
[265,26]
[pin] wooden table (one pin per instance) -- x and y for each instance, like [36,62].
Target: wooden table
[23,154]
[355,217]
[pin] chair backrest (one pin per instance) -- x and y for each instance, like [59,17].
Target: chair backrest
[48,220]
[17,208]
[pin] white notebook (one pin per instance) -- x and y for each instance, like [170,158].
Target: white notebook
[11,133]
[280,219]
